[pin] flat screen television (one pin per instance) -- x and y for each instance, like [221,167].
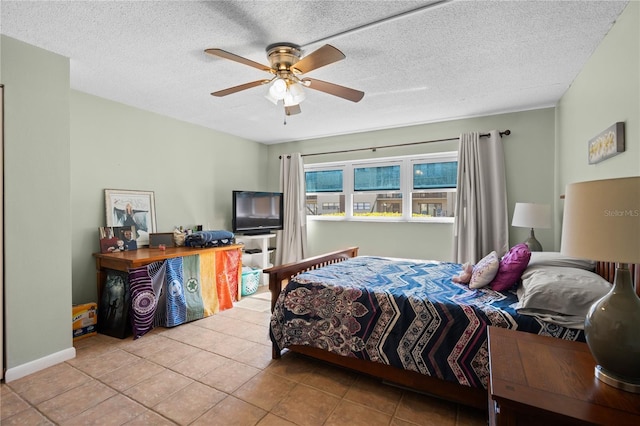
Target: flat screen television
[256,212]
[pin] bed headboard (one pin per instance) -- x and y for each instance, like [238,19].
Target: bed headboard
[607,270]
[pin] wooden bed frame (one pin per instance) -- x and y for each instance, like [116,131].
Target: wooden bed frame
[279,276]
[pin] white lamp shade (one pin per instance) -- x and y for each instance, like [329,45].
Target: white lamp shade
[532,215]
[601,220]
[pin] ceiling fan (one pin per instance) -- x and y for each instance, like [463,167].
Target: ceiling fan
[287,66]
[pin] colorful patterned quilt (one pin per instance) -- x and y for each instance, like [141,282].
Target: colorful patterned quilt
[404,313]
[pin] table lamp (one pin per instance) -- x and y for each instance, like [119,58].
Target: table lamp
[602,222]
[532,215]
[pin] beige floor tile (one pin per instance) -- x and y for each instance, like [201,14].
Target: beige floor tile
[29,417]
[230,376]
[352,414]
[272,420]
[105,363]
[306,406]
[189,403]
[75,401]
[399,422]
[256,355]
[48,383]
[265,390]
[374,394]
[199,364]
[176,353]
[149,418]
[248,315]
[114,411]
[225,345]
[333,380]
[292,366]
[10,403]
[157,388]
[425,410]
[254,304]
[131,374]
[186,333]
[147,345]
[223,324]
[231,412]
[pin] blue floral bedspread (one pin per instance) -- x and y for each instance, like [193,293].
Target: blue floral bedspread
[404,313]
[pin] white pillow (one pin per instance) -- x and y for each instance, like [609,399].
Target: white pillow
[485,271]
[560,295]
[554,258]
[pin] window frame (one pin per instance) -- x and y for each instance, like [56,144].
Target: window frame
[406,186]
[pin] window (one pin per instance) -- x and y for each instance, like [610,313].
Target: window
[325,196]
[433,188]
[411,188]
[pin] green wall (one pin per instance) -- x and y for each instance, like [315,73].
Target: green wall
[191,170]
[62,149]
[606,91]
[529,164]
[36,205]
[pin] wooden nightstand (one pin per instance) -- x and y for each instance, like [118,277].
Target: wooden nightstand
[539,380]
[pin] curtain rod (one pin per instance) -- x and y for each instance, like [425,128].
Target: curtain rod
[374,148]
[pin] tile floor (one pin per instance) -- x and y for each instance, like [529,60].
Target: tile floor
[214,371]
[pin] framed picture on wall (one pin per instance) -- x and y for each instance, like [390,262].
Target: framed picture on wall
[132,208]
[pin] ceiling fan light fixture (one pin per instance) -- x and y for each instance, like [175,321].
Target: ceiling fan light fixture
[278,89]
[297,92]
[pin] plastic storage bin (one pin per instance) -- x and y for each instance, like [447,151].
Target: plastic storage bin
[250,281]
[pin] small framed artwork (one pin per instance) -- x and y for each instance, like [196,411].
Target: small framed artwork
[126,234]
[608,143]
[161,238]
[108,241]
[117,238]
[132,208]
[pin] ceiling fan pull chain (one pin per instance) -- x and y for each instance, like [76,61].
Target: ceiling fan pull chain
[285,116]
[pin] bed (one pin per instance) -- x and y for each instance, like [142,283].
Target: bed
[395,319]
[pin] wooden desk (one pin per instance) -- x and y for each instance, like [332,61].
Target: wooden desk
[537,380]
[123,261]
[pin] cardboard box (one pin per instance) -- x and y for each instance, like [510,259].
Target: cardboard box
[85,320]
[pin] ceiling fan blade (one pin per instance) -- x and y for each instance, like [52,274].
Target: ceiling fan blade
[239,88]
[292,110]
[333,89]
[233,57]
[325,55]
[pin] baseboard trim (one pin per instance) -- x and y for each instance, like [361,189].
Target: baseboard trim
[15,373]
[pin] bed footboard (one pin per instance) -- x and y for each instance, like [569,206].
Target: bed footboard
[279,276]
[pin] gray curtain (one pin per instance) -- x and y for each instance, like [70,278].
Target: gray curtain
[292,240]
[481,221]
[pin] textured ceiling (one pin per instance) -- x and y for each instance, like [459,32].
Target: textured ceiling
[453,60]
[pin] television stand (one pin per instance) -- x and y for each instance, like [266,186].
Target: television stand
[257,252]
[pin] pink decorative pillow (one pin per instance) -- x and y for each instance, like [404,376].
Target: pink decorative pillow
[512,265]
[485,270]
[465,275]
